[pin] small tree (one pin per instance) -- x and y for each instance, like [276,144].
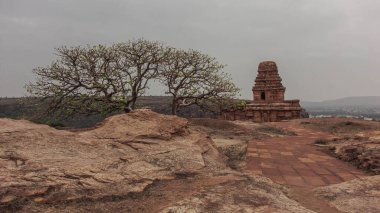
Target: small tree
[193,78]
[97,79]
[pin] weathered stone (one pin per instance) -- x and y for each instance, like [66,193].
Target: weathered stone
[365,154]
[268,99]
[358,195]
[136,162]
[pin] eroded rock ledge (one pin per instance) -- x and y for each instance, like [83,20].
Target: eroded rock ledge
[44,169]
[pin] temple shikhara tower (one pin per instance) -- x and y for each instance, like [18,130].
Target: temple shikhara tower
[269,102]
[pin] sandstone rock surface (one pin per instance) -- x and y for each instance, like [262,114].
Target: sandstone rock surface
[359,195]
[136,162]
[364,154]
[255,194]
[352,140]
[231,137]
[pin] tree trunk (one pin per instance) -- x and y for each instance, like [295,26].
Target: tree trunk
[131,104]
[127,109]
[133,100]
[174,106]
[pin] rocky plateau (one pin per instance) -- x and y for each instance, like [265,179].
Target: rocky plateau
[148,162]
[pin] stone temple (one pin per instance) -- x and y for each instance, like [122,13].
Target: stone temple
[269,104]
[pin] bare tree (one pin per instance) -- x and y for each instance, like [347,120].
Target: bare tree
[193,78]
[106,79]
[97,79]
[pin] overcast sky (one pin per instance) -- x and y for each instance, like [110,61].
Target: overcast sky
[324,49]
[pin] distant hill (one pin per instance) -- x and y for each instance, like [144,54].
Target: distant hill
[360,101]
[363,107]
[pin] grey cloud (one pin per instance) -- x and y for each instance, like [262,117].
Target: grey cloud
[324,49]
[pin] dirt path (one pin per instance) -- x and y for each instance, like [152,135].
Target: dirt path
[295,161]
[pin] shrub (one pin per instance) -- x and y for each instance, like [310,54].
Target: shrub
[321,141]
[348,123]
[55,124]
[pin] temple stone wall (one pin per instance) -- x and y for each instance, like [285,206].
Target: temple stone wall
[261,115]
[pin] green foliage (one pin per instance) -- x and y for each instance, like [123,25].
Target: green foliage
[240,104]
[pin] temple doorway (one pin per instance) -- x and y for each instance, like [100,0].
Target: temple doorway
[263,96]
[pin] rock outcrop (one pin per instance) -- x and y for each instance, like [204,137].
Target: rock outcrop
[239,196]
[155,158]
[352,140]
[365,154]
[359,195]
[125,154]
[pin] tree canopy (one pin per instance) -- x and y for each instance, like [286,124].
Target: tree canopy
[105,79]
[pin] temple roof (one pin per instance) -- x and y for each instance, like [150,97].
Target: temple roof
[267,66]
[268,77]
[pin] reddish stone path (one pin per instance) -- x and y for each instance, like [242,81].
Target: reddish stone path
[295,161]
